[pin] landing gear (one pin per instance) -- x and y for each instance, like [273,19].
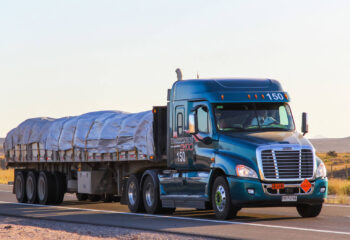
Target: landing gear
[221,200]
[82,196]
[308,211]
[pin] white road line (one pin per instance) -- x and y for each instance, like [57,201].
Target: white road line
[336,205]
[185,218]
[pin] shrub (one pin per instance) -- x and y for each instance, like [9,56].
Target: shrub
[332,154]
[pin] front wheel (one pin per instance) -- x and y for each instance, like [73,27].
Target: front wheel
[307,211]
[221,200]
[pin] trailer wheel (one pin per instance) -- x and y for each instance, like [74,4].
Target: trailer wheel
[81,196]
[20,186]
[46,188]
[31,187]
[150,196]
[307,211]
[133,194]
[59,190]
[221,200]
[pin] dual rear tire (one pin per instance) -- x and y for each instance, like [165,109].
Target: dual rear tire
[145,198]
[43,188]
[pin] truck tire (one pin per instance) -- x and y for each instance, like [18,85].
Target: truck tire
[133,194]
[46,188]
[20,186]
[221,199]
[82,196]
[59,189]
[150,195]
[307,211]
[31,187]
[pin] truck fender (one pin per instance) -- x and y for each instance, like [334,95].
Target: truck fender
[228,162]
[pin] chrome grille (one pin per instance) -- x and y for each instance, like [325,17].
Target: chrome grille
[287,164]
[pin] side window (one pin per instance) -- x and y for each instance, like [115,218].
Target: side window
[203,120]
[180,124]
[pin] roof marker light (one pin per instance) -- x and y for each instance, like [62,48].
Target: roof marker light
[262,96]
[222,96]
[256,96]
[249,96]
[286,96]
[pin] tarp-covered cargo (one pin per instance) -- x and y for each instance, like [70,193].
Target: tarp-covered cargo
[103,135]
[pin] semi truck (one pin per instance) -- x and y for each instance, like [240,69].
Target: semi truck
[221,144]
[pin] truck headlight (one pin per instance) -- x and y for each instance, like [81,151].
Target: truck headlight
[244,171]
[321,171]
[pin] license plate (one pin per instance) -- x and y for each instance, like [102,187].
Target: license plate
[289,198]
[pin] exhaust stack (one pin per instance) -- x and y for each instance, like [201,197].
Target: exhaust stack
[179,74]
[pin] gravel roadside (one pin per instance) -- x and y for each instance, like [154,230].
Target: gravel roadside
[23,228]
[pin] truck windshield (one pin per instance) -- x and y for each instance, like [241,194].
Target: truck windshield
[237,117]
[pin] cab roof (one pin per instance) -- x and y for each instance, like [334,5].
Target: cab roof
[227,90]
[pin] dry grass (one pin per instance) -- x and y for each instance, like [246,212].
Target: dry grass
[341,189]
[6,176]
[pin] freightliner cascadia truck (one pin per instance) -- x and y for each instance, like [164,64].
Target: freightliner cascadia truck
[221,144]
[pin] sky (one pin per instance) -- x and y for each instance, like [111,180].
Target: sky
[65,58]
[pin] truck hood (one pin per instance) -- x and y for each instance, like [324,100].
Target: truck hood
[273,137]
[243,145]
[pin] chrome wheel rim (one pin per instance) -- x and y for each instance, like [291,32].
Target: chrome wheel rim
[220,198]
[19,186]
[30,187]
[41,188]
[132,193]
[149,194]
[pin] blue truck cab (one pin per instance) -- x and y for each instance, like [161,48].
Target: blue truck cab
[232,143]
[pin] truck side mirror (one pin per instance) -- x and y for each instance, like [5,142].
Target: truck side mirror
[192,128]
[304,124]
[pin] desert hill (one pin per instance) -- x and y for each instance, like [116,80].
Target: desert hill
[340,145]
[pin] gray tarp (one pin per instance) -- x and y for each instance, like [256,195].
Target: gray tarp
[97,132]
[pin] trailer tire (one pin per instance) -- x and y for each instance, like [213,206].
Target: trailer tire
[150,195]
[221,199]
[59,189]
[46,188]
[20,186]
[82,196]
[308,211]
[31,187]
[133,194]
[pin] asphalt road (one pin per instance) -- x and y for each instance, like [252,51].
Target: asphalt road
[253,223]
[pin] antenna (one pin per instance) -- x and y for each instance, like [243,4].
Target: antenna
[197,75]
[179,74]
